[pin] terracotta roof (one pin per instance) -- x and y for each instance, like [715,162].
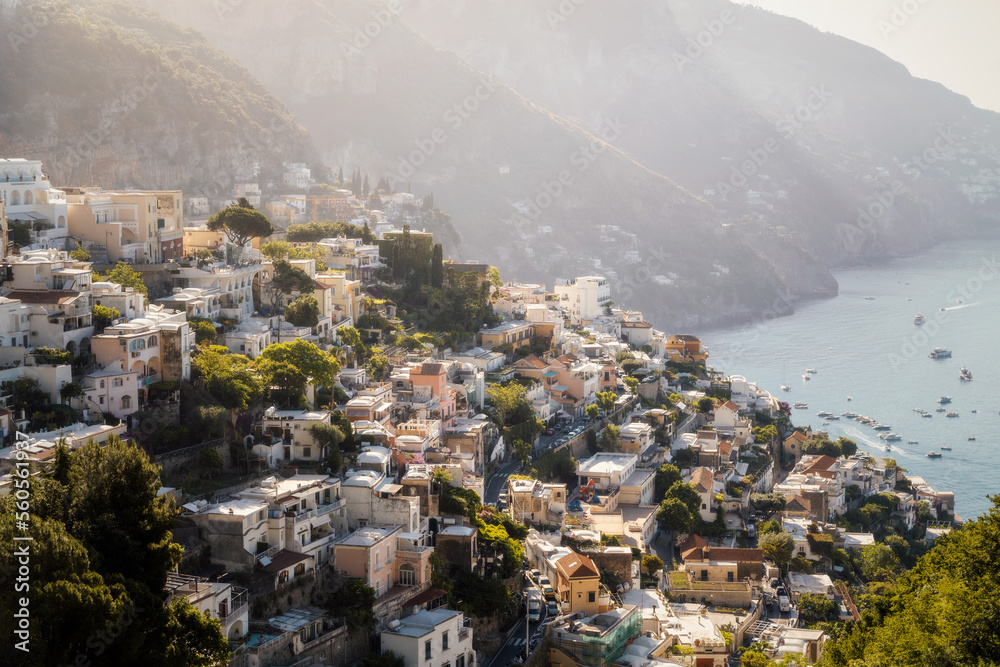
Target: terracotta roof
[732,406]
[284,559]
[797,436]
[796,504]
[691,542]
[821,465]
[703,479]
[723,553]
[43,296]
[423,598]
[725,449]
[576,566]
[533,360]
[431,369]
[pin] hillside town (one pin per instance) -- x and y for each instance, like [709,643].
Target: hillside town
[376,455]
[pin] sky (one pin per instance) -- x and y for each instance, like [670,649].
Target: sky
[953,42]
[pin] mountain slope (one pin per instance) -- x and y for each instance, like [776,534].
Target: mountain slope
[113,95]
[708,84]
[375,94]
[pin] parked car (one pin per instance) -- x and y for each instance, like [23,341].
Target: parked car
[553,607]
[783,603]
[550,431]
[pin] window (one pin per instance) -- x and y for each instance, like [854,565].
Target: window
[460,661]
[729,576]
[444,641]
[407,575]
[102,384]
[427,651]
[704,506]
[704,575]
[102,400]
[591,596]
[306,452]
[126,402]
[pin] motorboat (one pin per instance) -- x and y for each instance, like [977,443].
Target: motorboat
[806,376]
[933,455]
[939,410]
[850,398]
[972,437]
[869,298]
[944,400]
[785,387]
[823,413]
[881,427]
[912,442]
[834,417]
[919,319]
[811,371]
[940,353]
[947,449]
[927,415]
[965,375]
[952,414]
[801,406]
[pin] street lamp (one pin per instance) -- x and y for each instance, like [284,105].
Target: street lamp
[107,246]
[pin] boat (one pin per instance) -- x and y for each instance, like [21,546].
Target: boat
[965,375]
[826,423]
[869,298]
[912,442]
[801,406]
[849,415]
[952,414]
[823,413]
[890,437]
[834,417]
[947,449]
[811,370]
[940,353]
[975,411]
[940,410]
[881,427]
[944,400]
[849,398]
[972,437]
[933,455]
[887,448]
[927,415]
[919,319]
[785,387]
[805,377]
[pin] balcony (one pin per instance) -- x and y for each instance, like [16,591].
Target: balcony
[146,380]
[326,508]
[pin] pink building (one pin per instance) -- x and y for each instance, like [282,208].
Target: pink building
[431,380]
[384,558]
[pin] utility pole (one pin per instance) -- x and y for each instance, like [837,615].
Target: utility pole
[527,622]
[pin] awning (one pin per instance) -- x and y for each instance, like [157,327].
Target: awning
[25,217]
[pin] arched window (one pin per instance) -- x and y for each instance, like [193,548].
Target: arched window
[15,198]
[152,341]
[61,221]
[102,384]
[407,575]
[126,402]
[28,197]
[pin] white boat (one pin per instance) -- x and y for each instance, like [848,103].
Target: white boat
[965,375]
[785,387]
[919,319]
[810,370]
[869,298]
[912,442]
[801,406]
[944,399]
[951,414]
[940,353]
[927,415]
[833,417]
[806,377]
[946,449]
[850,398]
[933,455]
[939,410]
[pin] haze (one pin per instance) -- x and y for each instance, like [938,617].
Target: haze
[953,43]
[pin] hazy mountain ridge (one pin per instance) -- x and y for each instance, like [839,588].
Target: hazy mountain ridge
[119,97]
[711,82]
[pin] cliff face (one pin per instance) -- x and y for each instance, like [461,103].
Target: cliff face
[118,97]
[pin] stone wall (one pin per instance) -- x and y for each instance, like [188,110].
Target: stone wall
[619,563]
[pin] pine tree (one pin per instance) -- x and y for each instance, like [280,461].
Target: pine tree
[364,188]
[340,176]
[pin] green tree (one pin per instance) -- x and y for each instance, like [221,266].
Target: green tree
[19,233]
[510,402]
[878,562]
[103,316]
[687,494]
[632,384]
[522,450]
[287,279]
[211,459]
[285,382]
[496,282]
[240,224]
[606,400]
[303,312]
[51,356]
[230,378]
[848,447]
[79,253]
[319,367]
[816,608]
[765,434]
[652,564]
[899,546]
[706,405]
[666,476]
[378,364]
[777,548]
[592,412]
[126,276]
[204,331]
[275,250]
[71,390]
[675,516]
[768,503]
[610,437]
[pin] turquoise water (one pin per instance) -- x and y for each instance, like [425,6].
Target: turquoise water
[871,350]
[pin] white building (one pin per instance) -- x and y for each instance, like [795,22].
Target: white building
[438,637]
[584,298]
[605,470]
[31,199]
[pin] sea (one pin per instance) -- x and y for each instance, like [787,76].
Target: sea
[870,358]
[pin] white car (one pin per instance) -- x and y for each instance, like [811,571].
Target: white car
[783,603]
